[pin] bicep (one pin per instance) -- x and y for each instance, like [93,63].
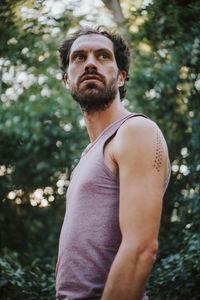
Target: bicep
[141,174]
[140,207]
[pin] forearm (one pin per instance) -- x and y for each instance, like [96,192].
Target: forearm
[128,275]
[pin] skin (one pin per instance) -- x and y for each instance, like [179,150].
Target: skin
[138,154]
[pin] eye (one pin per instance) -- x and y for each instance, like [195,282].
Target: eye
[104,56]
[79,57]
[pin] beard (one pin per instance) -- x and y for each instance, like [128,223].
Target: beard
[94,97]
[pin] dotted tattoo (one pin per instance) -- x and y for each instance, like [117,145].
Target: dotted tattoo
[158,159]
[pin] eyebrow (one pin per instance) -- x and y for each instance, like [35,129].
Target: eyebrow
[84,51]
[103,49]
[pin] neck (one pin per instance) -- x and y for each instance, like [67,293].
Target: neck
[96,122]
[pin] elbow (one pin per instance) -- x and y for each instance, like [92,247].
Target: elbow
[144,252]
[149,253]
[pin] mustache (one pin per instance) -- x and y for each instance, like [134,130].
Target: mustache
[93,72]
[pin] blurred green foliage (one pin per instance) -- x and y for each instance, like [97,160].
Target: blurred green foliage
[41,140]
[165,84]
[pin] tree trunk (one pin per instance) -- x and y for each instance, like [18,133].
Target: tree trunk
[115,8]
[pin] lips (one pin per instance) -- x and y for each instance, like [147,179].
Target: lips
[90,77]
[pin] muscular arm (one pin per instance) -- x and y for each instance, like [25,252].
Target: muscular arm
[140,152]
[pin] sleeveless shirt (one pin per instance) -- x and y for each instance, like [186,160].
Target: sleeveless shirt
[90,235]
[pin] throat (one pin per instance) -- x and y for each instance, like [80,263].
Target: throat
[97,122]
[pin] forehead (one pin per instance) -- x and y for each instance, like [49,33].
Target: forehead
[92,42]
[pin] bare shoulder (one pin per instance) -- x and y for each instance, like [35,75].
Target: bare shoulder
[138,127]
[140,141]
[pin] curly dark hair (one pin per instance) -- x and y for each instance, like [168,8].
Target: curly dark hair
[121,50]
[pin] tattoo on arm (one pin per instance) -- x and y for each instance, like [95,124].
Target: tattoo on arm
[158,159]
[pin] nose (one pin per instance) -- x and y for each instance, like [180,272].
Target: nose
[90,64]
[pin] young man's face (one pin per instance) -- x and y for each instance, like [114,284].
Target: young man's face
[93,77]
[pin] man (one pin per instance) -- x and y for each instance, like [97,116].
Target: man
[108,241]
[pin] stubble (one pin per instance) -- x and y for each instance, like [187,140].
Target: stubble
[95,97]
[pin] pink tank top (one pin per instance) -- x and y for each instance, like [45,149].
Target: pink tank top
[90,235]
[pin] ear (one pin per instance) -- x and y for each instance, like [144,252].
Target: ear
[121,78]
[66,81]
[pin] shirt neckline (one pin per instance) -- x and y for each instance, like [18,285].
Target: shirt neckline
[91,145]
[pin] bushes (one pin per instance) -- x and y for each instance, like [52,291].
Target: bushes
[178,275]
[34,281]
